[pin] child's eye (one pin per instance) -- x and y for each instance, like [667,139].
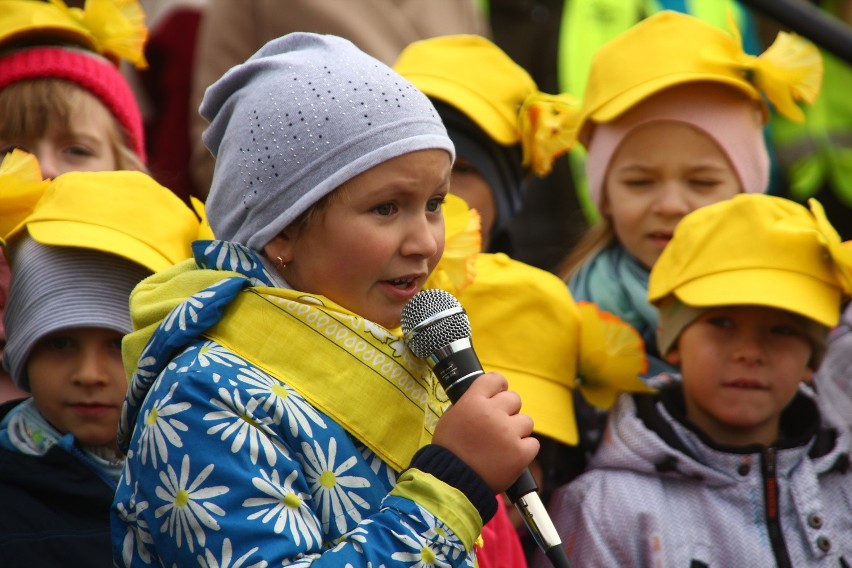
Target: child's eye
[637,182]
[719,321]
[385,209]
[782,329]
[704,183]
[435,203]
[79,151]
[57,343]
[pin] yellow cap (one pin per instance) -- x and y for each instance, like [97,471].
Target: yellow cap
[670,48]
[525,325]
[113,28]
[472,74]
[119,212]
[760,250]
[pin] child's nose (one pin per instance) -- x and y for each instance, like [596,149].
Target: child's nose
[49,165]
[749,348]
[92,368]
[672,201]
[421,237]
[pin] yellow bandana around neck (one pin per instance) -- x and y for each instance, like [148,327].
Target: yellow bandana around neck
[356,371]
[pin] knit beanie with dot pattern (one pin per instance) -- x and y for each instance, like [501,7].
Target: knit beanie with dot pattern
[303,115]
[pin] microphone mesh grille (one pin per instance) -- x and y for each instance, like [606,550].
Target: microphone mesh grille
[439,333]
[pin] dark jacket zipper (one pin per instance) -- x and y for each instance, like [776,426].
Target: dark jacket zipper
[770,500]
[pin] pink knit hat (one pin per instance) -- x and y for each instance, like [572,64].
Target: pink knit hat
[733,121]
[50,40]
[87,69]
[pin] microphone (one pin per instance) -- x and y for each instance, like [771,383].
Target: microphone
[437,330]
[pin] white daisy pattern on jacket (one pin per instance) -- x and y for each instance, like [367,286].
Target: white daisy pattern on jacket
[188,512]
[239,422]
[286,506]
[217,446]
[161,428]
[331,487]
[226,559]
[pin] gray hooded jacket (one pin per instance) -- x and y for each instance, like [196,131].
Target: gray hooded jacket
[659,494]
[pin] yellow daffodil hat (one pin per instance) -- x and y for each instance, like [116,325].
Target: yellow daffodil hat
[753,249]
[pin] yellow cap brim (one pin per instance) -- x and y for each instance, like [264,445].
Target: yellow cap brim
[768,287]
[550,404]
[106,239]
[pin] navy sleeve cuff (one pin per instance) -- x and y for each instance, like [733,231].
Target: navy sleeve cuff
[446,466]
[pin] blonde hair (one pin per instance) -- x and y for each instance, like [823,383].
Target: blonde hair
[28,109]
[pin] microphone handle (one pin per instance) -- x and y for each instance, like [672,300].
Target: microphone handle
[456,371]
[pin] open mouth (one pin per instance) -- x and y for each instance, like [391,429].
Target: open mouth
[401,283]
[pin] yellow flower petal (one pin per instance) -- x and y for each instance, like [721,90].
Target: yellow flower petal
[456,269]
[119,26]
[789,71]
[611,358]
[22,187]
[840,252]
[548,126]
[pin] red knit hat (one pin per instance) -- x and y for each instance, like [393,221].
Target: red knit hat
[51,40]
[92,72]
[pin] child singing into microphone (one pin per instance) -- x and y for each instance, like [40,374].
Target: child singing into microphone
[275,416]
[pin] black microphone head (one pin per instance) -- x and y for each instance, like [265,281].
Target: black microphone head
[431,320]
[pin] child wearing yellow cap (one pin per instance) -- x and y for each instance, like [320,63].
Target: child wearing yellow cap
[504,129]
[525,325]
[672,118]
[77,246]
[63,97]
[734,463]
[274,414]
[62,94]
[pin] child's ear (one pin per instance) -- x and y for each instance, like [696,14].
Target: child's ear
[673,356]
[279,249]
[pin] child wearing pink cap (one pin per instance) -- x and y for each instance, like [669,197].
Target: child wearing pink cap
[672,120]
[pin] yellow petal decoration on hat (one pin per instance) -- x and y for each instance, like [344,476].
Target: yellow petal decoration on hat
[788,72]
[23,187]
[840,252]
[456,269]
[548,125]
[612,356]
[117,27]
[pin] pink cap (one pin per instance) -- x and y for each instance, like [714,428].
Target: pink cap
[734,122]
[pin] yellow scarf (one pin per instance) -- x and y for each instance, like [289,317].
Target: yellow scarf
[355,371]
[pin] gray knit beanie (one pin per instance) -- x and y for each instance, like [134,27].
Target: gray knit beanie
[55,288]
[300,117]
